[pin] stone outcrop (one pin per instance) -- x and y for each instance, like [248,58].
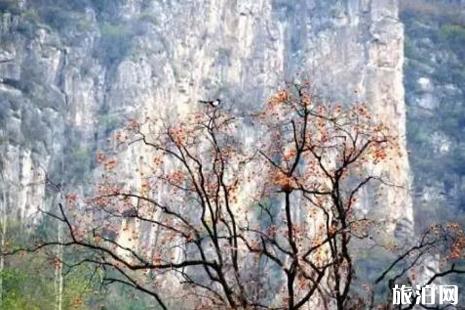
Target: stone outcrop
[63,90]
[70,74]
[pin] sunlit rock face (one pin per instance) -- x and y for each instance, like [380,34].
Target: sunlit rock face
[62,95]
[66,88]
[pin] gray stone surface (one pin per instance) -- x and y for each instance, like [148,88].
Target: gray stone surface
[61,94]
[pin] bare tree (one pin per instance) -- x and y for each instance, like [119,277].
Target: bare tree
[234,225]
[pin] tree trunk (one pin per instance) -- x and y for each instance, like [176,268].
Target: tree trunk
[59,267]
[3,223]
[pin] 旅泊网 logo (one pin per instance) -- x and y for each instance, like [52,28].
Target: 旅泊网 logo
[425,295]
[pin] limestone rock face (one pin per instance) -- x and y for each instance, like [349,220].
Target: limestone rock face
[63,90]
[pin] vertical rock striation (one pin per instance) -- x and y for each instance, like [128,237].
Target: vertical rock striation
[64,89]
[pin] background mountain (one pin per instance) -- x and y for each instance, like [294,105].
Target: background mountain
[74,71]
[434,82]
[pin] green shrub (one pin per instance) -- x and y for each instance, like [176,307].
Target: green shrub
[148,17]
[409,49]
[426,10]
[31,16]
[56,17]
[28,279]
[105,8]
[10,6]
[454,36]
[84,25]
[115,42]
[29,21]
[80,160]
[108,122]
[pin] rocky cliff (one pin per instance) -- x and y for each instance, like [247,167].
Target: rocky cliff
[73,72]
[434,81]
